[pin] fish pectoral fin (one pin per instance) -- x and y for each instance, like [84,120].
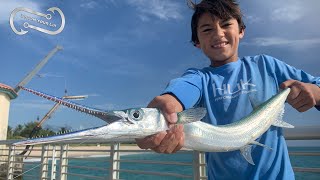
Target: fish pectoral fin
[278,122]
[262,145]
[191,115]
[246,153]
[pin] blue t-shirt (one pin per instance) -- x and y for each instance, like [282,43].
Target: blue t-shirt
[224,92]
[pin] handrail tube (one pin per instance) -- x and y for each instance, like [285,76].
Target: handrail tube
[82,175]
[302,133]
[153,173]
[26,175]
[156,162]
[304,153]
[91,160]
[86,167]
[89,150]
[303,169]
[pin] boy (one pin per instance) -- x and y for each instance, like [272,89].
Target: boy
[224,88]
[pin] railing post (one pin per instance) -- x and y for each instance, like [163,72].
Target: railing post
[114,161]
[53,163]
[199,165]
[64,161]
[44,162]
[11,160]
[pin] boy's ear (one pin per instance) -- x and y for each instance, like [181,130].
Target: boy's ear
[241,34]
[197,45]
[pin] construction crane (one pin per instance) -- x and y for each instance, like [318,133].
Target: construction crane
[29,76]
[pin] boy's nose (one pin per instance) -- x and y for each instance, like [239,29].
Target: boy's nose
[219,31]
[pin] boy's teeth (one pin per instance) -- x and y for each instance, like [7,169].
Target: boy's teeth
[219,45]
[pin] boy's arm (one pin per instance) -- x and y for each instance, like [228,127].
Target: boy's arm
[171,140]
[305,91]
[303,96]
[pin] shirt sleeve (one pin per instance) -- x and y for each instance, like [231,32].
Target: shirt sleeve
[187,89]
[285,72]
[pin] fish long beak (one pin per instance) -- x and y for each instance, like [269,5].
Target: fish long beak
[130,124]
[119,131]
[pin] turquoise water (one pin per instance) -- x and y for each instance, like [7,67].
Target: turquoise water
[305,161]
[103,162]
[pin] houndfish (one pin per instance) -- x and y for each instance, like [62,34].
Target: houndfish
[200,136]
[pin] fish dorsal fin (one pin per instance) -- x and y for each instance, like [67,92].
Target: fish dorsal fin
[262,145]
[278,122]
[246,153]
[191,115]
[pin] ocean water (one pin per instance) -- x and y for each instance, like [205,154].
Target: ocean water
[103,162]
[305,161]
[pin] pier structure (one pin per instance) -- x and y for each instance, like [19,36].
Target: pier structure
[6,95]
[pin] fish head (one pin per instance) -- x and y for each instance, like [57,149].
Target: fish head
[135,123]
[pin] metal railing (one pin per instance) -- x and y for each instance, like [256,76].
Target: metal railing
[42,163]
[61,161]
[305,134]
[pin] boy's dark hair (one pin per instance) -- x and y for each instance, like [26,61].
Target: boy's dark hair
[222,9]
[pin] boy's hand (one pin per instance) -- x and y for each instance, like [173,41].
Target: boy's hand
[303,96]
[171,140]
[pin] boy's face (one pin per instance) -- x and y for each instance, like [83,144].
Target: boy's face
[219,39]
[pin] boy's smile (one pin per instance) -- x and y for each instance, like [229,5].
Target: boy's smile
[219,39]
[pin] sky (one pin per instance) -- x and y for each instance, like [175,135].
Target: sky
[123,53]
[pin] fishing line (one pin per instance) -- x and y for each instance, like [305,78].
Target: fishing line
[27,171]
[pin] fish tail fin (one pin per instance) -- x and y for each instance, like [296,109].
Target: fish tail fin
[191,115]
[246,153]
[262,145]
[278,122]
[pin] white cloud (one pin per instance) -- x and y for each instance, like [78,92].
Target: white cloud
[93,95]
[163,9]
[276,41]
[7,6]
[108,106]
[252,19]
[144,18]
[113,2]
[89,4]
[49,75]
[289,13]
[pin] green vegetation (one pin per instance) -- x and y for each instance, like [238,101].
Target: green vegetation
[24,131]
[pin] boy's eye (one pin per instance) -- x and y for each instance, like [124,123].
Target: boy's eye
[226,25]
[206,30]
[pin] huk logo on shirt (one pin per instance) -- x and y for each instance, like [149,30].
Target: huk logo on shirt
[225,92]
[34,19]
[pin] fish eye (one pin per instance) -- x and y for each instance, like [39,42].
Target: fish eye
[135,114]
